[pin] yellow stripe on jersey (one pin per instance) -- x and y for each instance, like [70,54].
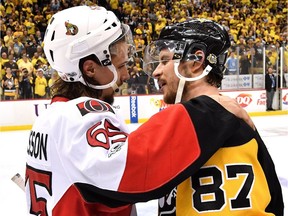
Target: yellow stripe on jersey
[231,182]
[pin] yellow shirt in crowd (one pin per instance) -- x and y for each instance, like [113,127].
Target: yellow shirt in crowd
[40,85]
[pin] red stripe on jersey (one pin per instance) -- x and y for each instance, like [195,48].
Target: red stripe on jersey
[149,167]
[72,204]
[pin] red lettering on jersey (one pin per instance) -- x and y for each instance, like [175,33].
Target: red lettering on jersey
[101,136]
[40,178]
[92,106]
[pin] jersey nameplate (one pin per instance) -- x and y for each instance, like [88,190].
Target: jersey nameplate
[37,147]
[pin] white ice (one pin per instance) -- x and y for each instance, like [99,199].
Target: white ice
[273,129]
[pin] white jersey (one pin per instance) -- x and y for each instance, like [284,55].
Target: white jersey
[70,143]
[80,160]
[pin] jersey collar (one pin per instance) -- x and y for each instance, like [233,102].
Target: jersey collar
[59,99]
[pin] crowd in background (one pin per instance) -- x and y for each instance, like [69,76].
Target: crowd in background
[252,25]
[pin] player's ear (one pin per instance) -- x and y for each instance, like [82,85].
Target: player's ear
[89,68]
[199,62]
[200,55]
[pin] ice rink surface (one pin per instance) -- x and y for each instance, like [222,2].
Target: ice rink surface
[273,129]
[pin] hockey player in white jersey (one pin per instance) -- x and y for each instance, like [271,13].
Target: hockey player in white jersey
[80,159]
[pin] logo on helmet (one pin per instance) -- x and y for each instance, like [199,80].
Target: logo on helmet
[212,58]
[71,29]
[106,62]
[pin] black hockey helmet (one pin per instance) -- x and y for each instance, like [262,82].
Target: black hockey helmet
[184,38]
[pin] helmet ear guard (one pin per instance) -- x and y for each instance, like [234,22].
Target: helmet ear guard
[217,63]
[189,53]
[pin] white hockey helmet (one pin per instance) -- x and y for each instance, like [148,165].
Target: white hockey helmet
[78,32]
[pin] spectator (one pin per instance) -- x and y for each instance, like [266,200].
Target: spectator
[270,60]
[133,23]
[18,33]
[36,58]
[41,24]
[11,48]
[9,85]
[241,43]
[273,54]
[138,81]
[159,26]
[11,64]
[18,47]
[139,44]
[31,46]
[11,24]
[3,60]
[8,37]
[25,37]
[232,64]
[3,48]
[148,31]
[25,62]
[25,84]
[259,49]
[38,38]
[120,13]
[51,81]
[40,51]
[55,5]
[40,84]
[30,25]
[9,6]
[245,64]
[270,87]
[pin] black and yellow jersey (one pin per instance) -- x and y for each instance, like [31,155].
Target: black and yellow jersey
[238,179]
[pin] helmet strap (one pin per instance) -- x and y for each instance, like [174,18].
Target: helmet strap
[180,90]
[183,79]
[112,84]
[204,73]
[115,87]
[181,83]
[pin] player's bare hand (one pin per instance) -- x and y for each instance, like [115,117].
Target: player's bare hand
[232,106]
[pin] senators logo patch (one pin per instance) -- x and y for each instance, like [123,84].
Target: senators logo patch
[94,106]
[71,29]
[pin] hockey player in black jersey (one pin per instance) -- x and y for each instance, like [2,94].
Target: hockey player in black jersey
[237,175]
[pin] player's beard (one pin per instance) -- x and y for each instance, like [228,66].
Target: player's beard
[170,96]
[107,95]
[108,99]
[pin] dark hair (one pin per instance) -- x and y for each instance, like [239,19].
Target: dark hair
[214,79]
[72,90]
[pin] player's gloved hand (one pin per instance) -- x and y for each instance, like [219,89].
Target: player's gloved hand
[232,106]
